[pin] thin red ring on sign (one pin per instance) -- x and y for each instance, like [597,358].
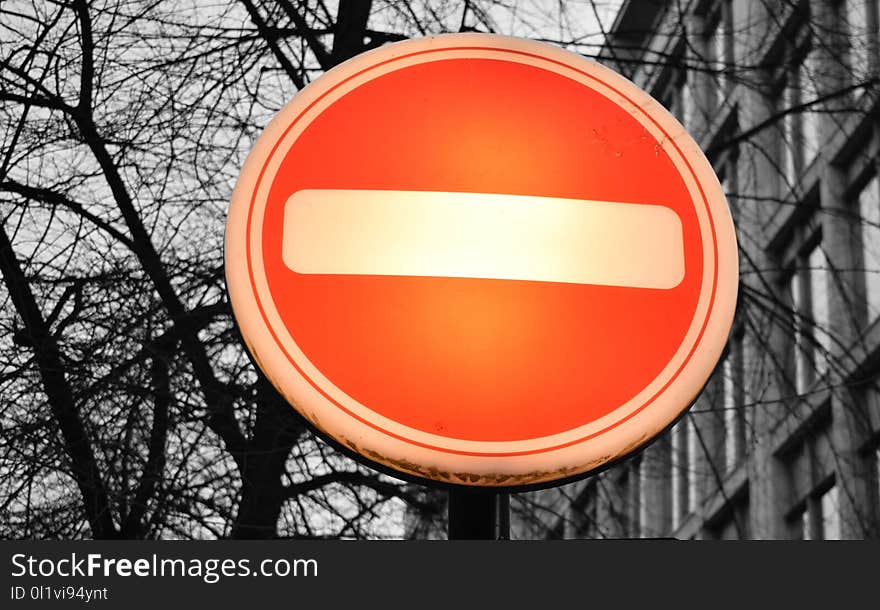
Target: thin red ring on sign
[457,451]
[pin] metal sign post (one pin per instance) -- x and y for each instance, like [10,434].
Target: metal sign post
[478,515]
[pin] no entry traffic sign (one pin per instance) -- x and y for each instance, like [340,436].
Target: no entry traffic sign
[481,260]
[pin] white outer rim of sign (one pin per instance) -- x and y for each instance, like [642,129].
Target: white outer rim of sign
[483,462]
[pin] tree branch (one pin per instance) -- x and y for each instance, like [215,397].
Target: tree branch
[133,526]
[84,467]
[55,198]
[774,119]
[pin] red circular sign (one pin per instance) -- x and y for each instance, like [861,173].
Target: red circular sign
[481,260]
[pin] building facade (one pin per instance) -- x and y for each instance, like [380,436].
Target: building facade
[784,441]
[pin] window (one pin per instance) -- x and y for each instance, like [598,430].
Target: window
[870,398]
[829,511]
[858,21]
[815,513]
[733,523]
[820,517]
[684,474]
[557,532]
[679,98]
[642,507]
[679,473]
[632,499]
[801,127]
[728,173]
[807,75]
[656,478]
[622,490]
[788,160]
[734,407]
[585,515]
[869,211]
[692,466]
[808,292]
[718,45]
[819,310]
[876,471]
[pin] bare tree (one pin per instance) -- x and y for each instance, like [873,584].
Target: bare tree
[129,408]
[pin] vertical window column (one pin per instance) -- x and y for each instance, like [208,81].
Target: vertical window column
[869,211]
[678,98]
[808,293]
[684,478]
[734,406]
[808,75]
[876,471]
[718,50]
[830,515]
[801,123]
[859,21]
[819,313]
[656,488]
[634,500]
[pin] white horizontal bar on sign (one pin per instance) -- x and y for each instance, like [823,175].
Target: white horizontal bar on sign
[477,235]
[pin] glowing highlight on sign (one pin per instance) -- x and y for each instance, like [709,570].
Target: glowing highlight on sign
[478,235]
